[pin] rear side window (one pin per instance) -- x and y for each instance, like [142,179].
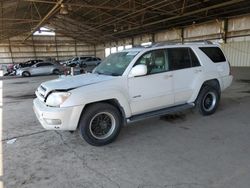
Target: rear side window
[44,64]
[89,59]
[214,53]
[179,58]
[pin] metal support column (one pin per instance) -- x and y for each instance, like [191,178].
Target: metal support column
[56,49]
[75,48]
[95,50]
[34,48]
[225,30]
[11,54]
[182,35]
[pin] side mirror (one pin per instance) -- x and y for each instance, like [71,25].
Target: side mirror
[138,70]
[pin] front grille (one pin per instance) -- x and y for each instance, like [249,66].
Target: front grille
[41,93]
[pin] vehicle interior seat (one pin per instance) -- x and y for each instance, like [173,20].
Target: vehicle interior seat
[159,65]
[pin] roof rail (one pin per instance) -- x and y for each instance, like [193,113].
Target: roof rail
[164,43]
[176,43]
[199,41]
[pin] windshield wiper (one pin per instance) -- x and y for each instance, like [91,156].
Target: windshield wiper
[115,74]
[107,73]
[97,72]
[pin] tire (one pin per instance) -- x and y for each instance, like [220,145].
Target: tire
[26,74]
[84,65]
[56,72]
[208,100]
[100,124]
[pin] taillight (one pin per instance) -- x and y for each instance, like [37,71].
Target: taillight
[230,69]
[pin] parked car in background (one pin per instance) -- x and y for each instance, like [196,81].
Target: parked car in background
[65,62]
[84,61]
[91,61]
[4,69]
[28,63]
[42,68]
[7,69]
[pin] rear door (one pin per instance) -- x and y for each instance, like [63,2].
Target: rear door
[91,61]
[154,90]
[186,70]
[42,68]
[37,69]
[48,68]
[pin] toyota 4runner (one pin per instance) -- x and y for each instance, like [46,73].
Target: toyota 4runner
[133,85]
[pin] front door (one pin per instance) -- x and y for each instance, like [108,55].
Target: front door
[154,90]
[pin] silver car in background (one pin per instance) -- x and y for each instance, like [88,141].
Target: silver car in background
[84,61]
[43,68]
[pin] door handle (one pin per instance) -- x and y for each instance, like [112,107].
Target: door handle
[197,70]
[168,76]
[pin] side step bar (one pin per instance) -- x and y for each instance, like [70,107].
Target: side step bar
[160,112]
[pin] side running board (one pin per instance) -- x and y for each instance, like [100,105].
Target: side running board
[160,112]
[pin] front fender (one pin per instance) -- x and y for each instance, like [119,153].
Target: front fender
[86,95]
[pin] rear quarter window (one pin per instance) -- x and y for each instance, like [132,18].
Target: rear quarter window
[214,53]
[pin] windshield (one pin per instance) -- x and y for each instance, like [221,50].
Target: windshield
[115,64]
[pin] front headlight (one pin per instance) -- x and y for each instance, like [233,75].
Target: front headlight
[18,72]
[57,98]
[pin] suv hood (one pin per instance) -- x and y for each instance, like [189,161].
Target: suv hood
[72,82]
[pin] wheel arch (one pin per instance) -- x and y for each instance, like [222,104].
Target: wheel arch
[26,71]
[214,83]
[54,70]
[113,102]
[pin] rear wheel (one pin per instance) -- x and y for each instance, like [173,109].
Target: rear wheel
[100,124]
[208,100]
[84,65]
[26,74]
[56,72]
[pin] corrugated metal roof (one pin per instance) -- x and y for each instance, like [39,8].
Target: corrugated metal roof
[98,21]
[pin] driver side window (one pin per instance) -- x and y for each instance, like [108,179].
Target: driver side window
[155,61]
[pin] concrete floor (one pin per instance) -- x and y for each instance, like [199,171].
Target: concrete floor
[182,151]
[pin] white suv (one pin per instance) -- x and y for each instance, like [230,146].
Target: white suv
[132,85]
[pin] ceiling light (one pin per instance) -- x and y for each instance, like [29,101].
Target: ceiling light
[63,10]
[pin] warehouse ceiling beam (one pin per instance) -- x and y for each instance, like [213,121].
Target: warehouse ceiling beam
[186,14]
[45,18]
[183,6]
[83,5]
[37,10]
[64,32]
[183,22]
[149,19]
[89,11]
[87,29]
[137,12]
[154,10]
[105,12]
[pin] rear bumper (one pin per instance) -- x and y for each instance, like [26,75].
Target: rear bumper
[54,118]
[227,81]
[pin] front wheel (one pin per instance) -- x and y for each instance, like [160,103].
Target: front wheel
[208,100]
[100,124]
[25,74]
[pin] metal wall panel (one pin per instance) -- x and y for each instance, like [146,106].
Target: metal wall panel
[238,53]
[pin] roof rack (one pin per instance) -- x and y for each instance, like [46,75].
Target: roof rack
[178,43]
[199,41]
[158,44]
